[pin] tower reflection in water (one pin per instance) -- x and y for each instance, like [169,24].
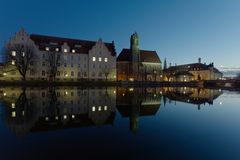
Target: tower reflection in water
[43,109]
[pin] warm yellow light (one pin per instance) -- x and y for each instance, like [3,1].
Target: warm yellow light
[105,108]
[114,76]
[114,91]
[4,74]
[73,51]
[99,108]
[4,94]
[123,94]
[13,62]
[131,89]
[13,114]
[131,79]
[13,105]
[93,109]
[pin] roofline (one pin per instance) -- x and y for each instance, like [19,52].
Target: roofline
[63,38]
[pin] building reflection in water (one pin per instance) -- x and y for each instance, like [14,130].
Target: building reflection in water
[137,102]
[198,96]
[43,109]
[35,109]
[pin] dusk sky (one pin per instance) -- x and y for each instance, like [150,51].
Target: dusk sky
[180,30]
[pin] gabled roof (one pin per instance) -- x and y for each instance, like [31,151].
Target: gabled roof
[145,56]
[83,46]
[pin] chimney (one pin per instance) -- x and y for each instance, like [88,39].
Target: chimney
[199,60]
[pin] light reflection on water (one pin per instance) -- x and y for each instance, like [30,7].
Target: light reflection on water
[153,123]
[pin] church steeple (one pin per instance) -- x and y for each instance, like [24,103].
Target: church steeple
[134,46]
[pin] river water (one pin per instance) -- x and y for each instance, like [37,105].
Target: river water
[119,123]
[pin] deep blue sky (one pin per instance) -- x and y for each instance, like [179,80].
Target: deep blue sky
[180,30]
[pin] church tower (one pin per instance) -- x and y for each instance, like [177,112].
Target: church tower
[135,51]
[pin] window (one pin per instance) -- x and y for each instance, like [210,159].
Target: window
[79,65]
[71,65]
[93,59]
[100,59]
[93,74]
[13,53]
[65,74]
[31,63]
[23,54]
[79,58]
[31,72]
[100,74]
[79,74]
[43,63]
[93,108]
[43,56]
[65,64]
[105,59]
[65,50]
[72,73]
[13,62]
[72,57]
[57,49]
[47,48]
[43,73]
[85,66]
[93,65]
[73,51]
[58,73]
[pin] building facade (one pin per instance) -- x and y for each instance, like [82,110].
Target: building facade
[138,65]
[192,72]
[77,59]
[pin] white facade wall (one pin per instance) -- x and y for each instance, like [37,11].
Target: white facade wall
[73,66]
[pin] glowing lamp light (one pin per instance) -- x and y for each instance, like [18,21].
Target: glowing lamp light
[131,79]
[4,74]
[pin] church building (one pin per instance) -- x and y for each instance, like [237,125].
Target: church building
[138,65]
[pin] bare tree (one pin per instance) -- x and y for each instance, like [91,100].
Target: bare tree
[54,60]
[20,56]
[106,72]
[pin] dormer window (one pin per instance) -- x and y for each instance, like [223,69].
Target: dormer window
[73,51]
[65,50]
[47,48]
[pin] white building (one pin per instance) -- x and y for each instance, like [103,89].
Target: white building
[80,59]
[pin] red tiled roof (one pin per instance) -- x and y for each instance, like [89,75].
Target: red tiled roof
[145,56]
[47,41]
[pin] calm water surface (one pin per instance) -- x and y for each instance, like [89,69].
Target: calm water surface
[119,123]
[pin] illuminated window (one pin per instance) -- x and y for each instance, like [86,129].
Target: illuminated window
[23,54]
[100,59]
[93,108]
[13,114]
[105,108]
[57,49]
[13,53]
[65,50]
[99,108]
[65,117]
[46,118]
[93,59]
[73,116]
[13,62]
[47,48]
[73,51]
[105,59]
[13,105]
[56,117]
